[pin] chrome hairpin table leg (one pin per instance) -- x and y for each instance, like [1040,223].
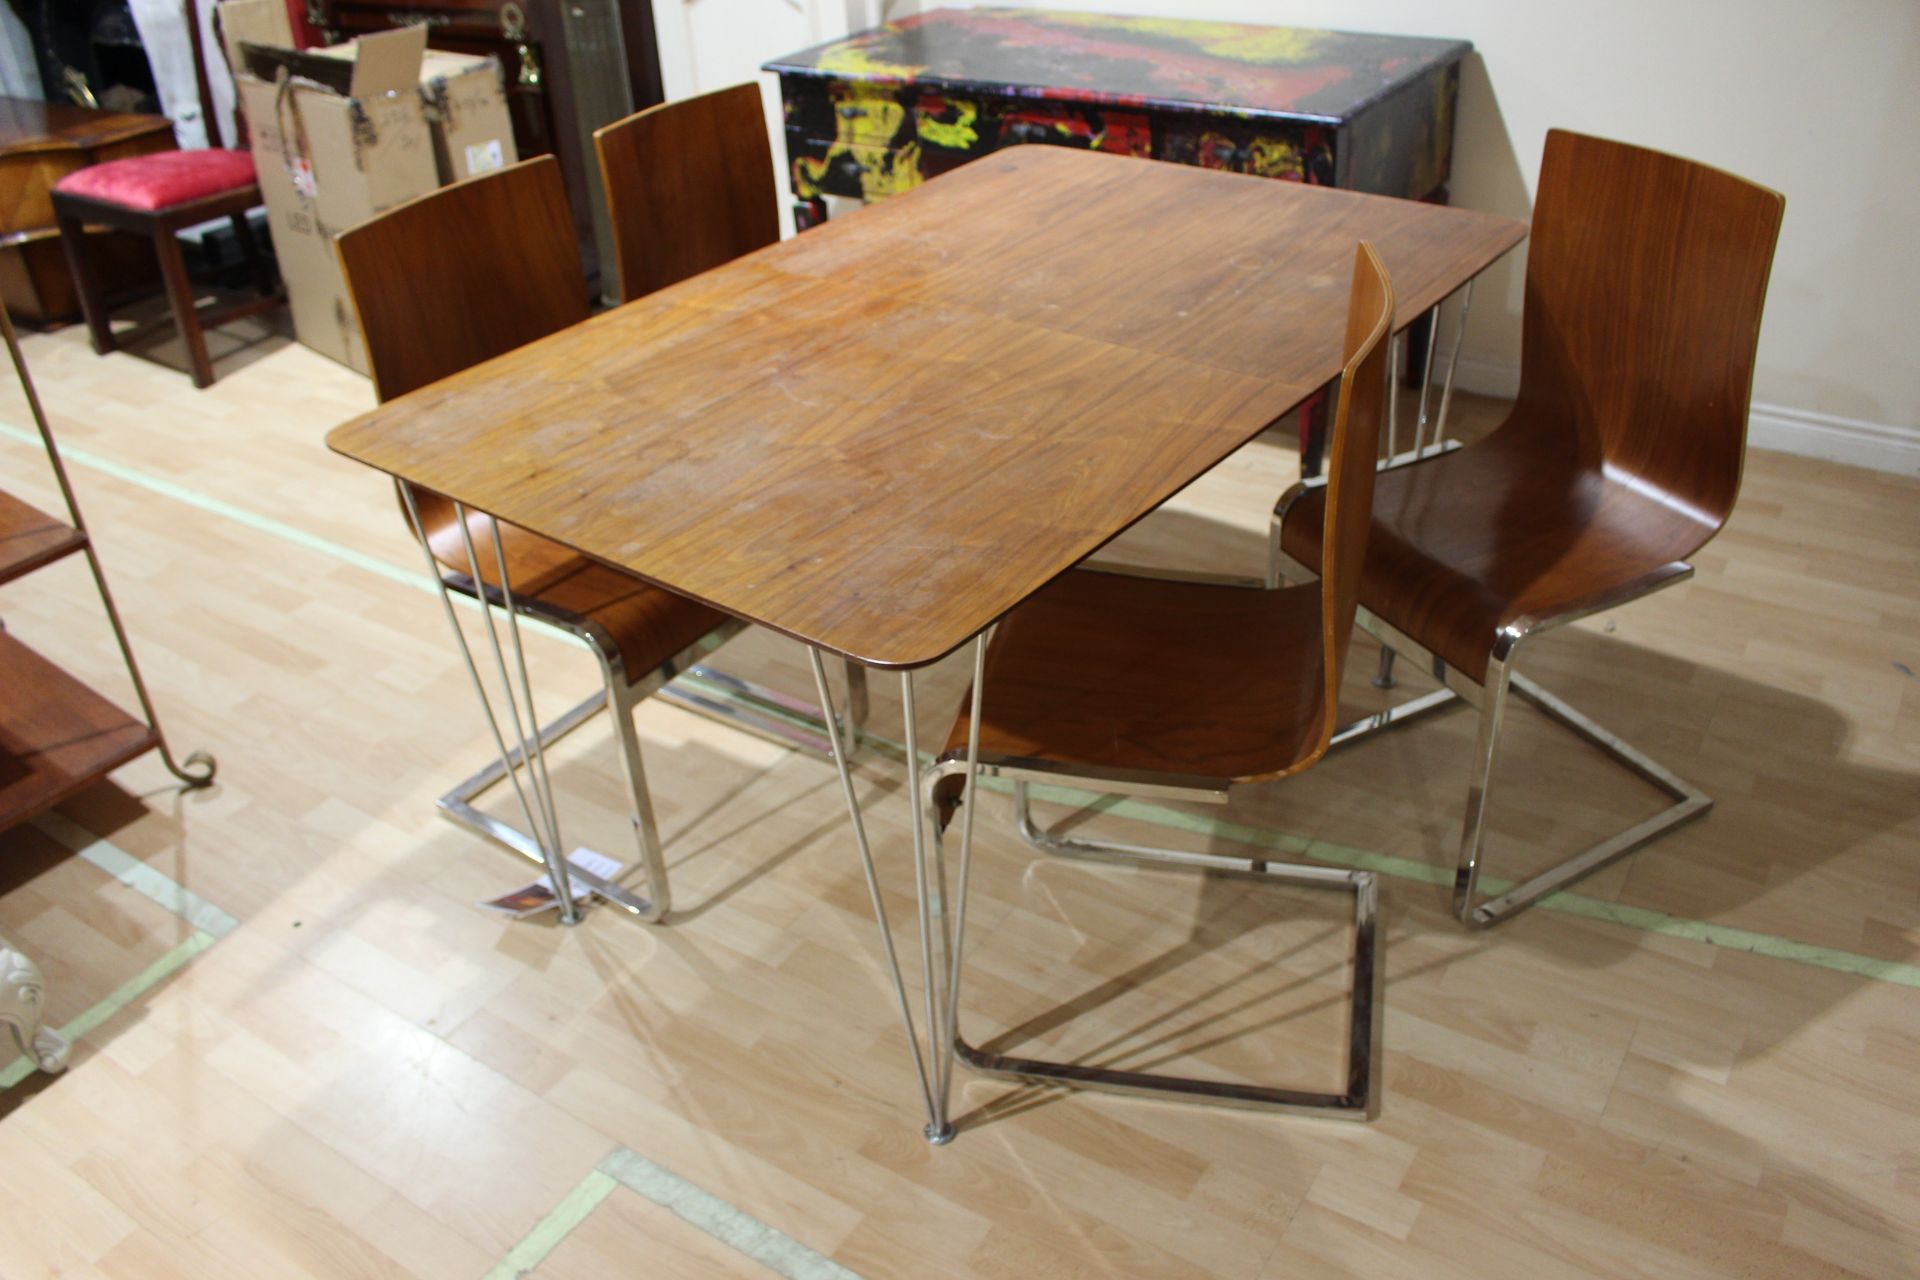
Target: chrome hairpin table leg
[535,792]
[1425,442]
[941,938]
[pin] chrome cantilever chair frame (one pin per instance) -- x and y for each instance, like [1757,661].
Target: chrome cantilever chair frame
[747,706]
[1359,1100]
[1490,700]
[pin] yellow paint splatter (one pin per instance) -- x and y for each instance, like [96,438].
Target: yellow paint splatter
[1274,158]
[957,134]
[865,123]
[865,118]
[1265,45]
[890,173]
[854,60]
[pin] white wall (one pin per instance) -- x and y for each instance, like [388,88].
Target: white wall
[1817,98]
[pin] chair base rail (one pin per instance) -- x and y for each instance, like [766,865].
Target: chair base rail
[1361,1098]
[1689,802]
[751,707]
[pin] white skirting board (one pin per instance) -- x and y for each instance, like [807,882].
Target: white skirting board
[1881,446]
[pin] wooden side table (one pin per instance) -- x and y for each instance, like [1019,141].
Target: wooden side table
[41,143]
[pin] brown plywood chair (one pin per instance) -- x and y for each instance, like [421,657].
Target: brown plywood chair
[689,186]
[445,282]
[1180,687]
[1619,460]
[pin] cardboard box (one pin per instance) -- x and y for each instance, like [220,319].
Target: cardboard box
[466,101]
[343,133]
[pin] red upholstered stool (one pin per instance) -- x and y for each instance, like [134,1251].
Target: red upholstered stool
[157,196]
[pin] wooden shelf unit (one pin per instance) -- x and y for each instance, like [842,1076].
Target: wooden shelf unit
[58,736]
[30,538]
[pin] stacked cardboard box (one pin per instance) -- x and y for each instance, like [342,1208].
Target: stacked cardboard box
[340,134]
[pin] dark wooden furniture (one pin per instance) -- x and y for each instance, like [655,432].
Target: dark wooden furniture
[570,68]
[880,437]
[1124,681]
[882,110]
[41,143]
[1619,460]
[161,227]
[57,736]
[156,198]
[688,187]
[427,313]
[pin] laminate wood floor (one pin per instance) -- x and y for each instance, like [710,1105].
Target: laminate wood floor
[1700,1065]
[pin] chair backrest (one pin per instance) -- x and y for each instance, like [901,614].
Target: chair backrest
[1355,441]
[689,186]
[463,274]
[1645,279]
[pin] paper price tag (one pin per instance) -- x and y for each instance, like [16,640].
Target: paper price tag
[485,157]
[531,899]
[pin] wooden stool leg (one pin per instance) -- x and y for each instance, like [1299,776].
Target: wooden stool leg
[173,270]
[250,250]
[93,306]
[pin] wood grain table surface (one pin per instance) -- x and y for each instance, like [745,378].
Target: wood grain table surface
[881,436]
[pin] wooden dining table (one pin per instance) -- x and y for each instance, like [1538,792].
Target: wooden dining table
[881,436]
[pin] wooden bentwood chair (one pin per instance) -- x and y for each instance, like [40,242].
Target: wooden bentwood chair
[689,186]
[156,197]
[1138,683]
[1620,458]
[447,281]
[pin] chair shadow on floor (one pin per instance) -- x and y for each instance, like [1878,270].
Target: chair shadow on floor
[145,330]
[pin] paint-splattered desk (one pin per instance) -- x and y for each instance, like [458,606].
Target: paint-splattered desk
[884,110]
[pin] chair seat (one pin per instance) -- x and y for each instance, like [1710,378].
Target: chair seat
[163,179]
[1508,528]
[1120,672]
[648,624]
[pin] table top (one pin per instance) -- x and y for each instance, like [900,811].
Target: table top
[1294,73]
[884,434]
[27,124]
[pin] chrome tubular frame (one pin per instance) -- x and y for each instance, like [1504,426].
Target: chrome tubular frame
[1359,1100]
[758,710]
[544,825]
[1689,802]
[1490,699]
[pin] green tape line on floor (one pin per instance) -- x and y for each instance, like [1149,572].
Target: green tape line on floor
[1642,919]
[555,1227]
[129,991]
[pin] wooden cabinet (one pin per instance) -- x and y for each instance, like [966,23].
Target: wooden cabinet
[885,109]
[41,143]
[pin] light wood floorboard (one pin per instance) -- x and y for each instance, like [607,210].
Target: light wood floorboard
[373,1077]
